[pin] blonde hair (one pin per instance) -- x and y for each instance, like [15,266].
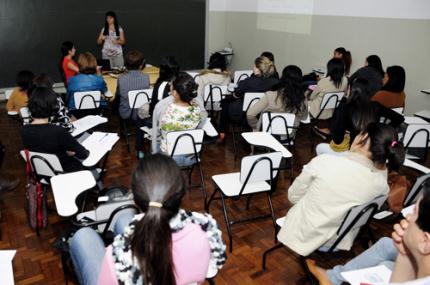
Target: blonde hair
[87,63]
[265,65]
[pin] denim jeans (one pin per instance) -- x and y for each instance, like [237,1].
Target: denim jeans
[382,252]
[87,251]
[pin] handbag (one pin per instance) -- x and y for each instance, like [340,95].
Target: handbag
[35,202]
[398,185]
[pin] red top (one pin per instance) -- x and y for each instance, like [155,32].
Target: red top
[67,71]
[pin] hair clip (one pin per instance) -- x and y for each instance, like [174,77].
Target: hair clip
[393,144]
[155,204]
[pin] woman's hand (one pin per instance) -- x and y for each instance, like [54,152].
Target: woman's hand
[398,234]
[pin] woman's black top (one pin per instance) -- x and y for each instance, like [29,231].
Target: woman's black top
[56,140]
[342,119]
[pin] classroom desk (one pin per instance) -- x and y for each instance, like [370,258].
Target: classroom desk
[111,80]
[424,114]
[266,140]
[66,187]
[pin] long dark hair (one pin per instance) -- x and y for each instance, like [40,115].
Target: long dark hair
[396,79]
[65,48]
[106,30]
[360,105]
[384,145]
[158,179]
[346,57]
[217,60]
[423,221]
[375,62]
[186,87]
[336,71]
[169,68]
[290,90]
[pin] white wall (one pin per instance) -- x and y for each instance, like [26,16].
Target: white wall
[397,30]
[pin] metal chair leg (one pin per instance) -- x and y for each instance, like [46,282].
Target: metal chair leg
[208,203]
[276,246]
[227,222]
[202,181]
[272,213]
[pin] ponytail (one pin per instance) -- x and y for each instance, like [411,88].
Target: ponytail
[347,59]
[384,145]
[186,87]
[158,188]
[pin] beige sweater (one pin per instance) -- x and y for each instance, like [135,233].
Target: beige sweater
[328,187]
[324,86]
[271,103]
[215,77]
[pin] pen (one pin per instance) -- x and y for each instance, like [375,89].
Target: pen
[105,135]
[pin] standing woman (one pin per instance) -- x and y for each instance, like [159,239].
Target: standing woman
[68,67]
[112,38]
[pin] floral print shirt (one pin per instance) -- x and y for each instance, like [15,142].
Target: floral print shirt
[178,118]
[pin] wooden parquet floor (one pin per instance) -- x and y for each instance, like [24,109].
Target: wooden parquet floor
[37,262]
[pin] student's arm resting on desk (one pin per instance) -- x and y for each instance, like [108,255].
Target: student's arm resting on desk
[72,145]
[301,184]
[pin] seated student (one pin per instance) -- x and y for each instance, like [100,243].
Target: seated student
[288,98]
[40,136]
[181,111]
[68,67]
[169,68]
[86,80]
[215,74]
[19,97]
[133,79]
[271,57]
[353,115]
[164,245]
[329,186]
[392,94]
[344,55]
[372,71]
[261,81]
[335,81]
[407,254]
[62,117]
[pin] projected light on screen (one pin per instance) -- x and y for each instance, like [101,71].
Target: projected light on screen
[290,16]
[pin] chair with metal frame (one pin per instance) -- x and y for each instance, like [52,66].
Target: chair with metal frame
[257,175]
[188,143]
[281,125]
[249,99]
[87,100]
[212,96]
[136,99]
[416,189]
[356,218]
[44,165]
[417,136]
[240,75]
[330,101]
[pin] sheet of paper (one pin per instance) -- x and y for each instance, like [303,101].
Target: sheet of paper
[408,210]
[410,120]
[371,275]
[6,270]
[86,123]
[382,214]
[98,144]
